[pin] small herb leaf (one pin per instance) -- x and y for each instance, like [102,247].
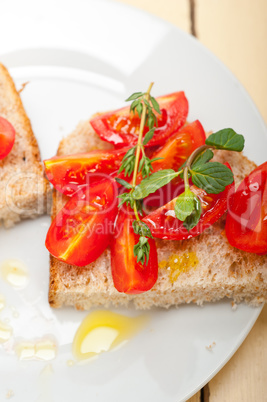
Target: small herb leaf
[134,104]
[203,158]
[192,220]
[212,177]
[151,121]
[153,183]
[124,183]
[155,104]
[148,136]
[141,250]
[134,96]
[141,229]
[184,205]
[139,109]
[226,139]
[126,198]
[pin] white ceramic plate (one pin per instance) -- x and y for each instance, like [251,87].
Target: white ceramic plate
[81,57]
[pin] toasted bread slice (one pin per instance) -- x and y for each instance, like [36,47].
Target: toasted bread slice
[23,188]
[203,269]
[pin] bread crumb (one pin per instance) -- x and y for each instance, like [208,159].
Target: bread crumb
[211,346]
[9,394]
[23,86]
[234,306]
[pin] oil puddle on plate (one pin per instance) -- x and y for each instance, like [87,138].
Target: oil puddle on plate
[102,331]
[15,273]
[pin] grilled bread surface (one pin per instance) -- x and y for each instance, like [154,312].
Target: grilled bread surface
[203,269]
[24,192]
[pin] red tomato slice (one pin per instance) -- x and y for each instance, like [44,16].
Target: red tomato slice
[82,230]
[121,127]
[67,173]
[164,224]
[129,276]
[7,137]
[175,152]
[246,222]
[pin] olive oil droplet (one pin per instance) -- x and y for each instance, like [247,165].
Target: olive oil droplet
[104,330]
[43,349]
[2,302]
[15,273]
[5,332]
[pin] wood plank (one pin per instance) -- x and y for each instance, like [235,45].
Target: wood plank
[236,31]
[244,376]
[195,398]
[174,11]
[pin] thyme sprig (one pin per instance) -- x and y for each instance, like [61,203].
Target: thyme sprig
[146,106]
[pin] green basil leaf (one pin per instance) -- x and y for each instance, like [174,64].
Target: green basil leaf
[155,104]
[148,136]
[124,183]
[153,183]
[184,205]
[226,139]
[212,177]
[192,220]
[134,96]
[203,158]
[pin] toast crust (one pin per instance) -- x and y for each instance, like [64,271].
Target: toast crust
[24,192]
[216,269]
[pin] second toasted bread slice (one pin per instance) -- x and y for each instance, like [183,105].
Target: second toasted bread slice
[23,188]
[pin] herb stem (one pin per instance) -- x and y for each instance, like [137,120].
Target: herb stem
[135,211]
[139,143]
[194,154]
[186,181]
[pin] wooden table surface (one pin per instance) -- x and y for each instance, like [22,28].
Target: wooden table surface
[236,32]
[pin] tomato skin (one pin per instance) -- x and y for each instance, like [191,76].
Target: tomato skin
[246,222]
[175,152]
[67,173]
[82,230]
[164,224]
[129,276]
[7,137]
[120,128]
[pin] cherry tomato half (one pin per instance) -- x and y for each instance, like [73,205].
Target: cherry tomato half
[175,152]
[129,276]
[164,224]
[246,222]
[67,173]
[121,127]
[178,147]
[82,230]
[7,137]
